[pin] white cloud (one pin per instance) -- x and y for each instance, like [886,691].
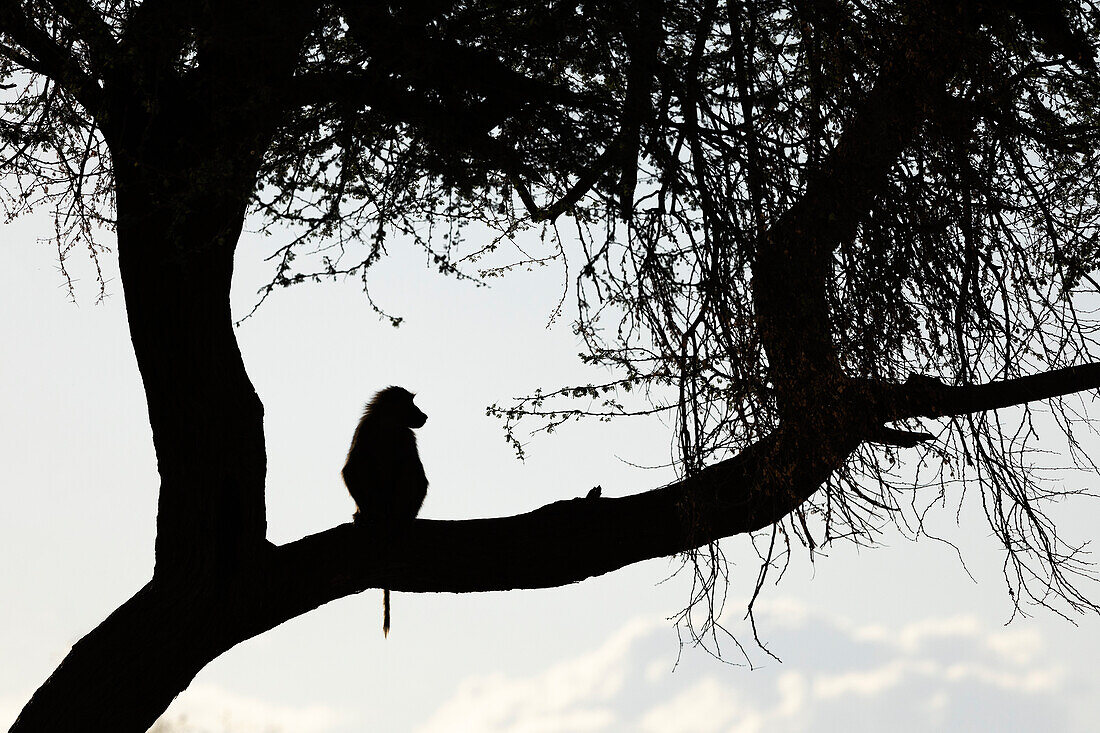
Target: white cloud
[656,670]
[908,637]
[211,709]
[940,672]
[782,612]
[707,707]
[862,683]
[792,694]
[711,706]
[912,637]
[1005,659]
[1044,679]
[1017,646]
[569,696]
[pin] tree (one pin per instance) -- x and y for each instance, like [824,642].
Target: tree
[813,225]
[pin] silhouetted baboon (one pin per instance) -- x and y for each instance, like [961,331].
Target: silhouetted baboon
[383,472]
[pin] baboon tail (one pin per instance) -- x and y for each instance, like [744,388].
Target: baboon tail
[386,612]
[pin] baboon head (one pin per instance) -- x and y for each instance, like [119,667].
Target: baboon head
[394,405]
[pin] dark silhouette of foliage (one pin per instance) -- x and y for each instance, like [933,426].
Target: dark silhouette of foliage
[828,237]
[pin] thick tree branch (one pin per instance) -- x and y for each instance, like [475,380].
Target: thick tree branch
[22,59]
[644,43]
[50,58]
[795,257]
[1048,21]
[561,543]
[923,396]
[900,438]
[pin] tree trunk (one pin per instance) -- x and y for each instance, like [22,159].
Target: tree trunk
[185,154]
[176,258]
[175,246]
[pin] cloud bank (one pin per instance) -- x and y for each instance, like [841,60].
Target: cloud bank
[952,673]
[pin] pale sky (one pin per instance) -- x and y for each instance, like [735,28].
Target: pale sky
[897,638]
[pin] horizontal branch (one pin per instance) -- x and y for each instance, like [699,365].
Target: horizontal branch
[923,396]
[560,543]
[900,438]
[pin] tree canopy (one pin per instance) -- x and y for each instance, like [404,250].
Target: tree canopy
[826,236]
